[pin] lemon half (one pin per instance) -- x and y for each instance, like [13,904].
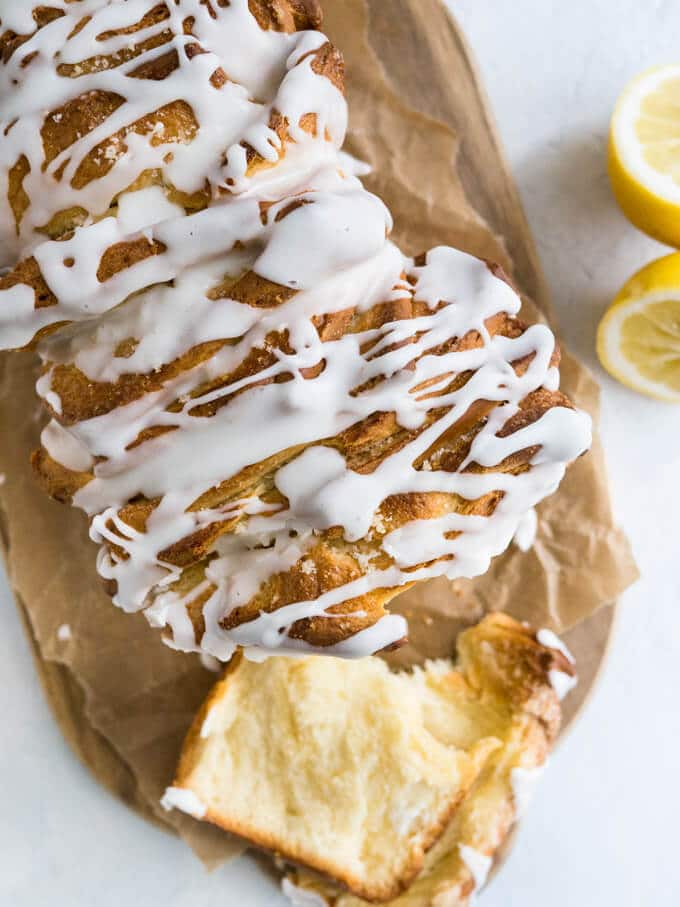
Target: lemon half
[638,340]
[644,153]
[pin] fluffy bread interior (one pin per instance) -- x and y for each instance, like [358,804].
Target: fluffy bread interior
[357,772]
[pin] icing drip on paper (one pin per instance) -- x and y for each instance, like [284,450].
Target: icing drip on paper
[306,225]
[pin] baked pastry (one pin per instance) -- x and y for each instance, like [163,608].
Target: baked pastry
[275,421]
[381,781]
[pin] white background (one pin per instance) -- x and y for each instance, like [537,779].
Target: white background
[603,829]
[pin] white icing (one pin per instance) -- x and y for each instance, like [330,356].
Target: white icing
[63,632]
[19,320]
[308,225]
[210,663]
[523,782]
[43,387]
[184,800]
[525,535]
[478,864]
[134,207]
[552,379]
[266,71]
[348,228]
[552,641]
[65,447]
[301,897]
[562,683]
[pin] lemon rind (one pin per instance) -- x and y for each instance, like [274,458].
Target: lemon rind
[626,145]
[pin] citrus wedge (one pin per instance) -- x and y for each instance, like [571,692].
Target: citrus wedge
[638,340]
[644,153]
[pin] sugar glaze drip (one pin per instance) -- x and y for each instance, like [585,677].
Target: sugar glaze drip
[331,250]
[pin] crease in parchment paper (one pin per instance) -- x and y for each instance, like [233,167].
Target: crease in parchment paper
[123,699]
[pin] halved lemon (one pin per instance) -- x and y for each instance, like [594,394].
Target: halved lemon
[638,340]
[644,153]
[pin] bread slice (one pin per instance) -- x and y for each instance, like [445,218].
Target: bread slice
[357,772]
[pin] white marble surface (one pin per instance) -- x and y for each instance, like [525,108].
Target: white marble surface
[603,828]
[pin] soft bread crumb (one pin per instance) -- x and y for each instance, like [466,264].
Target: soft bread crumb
[503,659]
[287,757]
[360,773]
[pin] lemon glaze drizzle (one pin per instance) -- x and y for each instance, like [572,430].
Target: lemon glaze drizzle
[333,251]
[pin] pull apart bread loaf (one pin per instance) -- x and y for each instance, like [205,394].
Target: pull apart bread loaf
[275,420]
[379,780]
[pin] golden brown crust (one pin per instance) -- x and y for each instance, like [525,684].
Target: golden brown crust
[505,658]
[376,893]
[28,272]
[333,562]
[286,15]
[10,41]
[364,446]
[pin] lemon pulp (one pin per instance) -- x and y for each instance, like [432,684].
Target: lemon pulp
[638,340]
[650,340]
[644,153]
[658,129]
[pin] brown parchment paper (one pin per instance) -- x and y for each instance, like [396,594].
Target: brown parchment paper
[123,699]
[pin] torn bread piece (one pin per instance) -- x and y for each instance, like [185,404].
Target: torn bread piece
[378,780]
